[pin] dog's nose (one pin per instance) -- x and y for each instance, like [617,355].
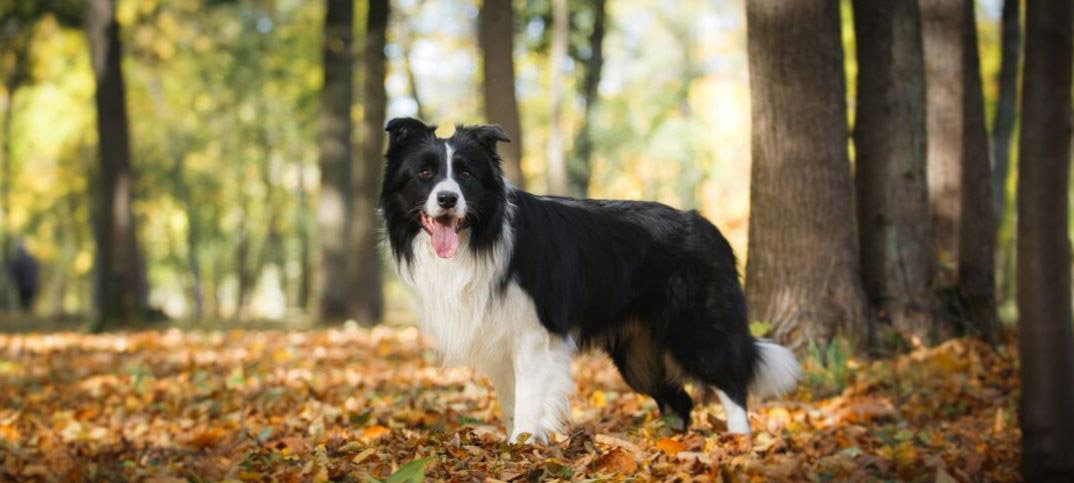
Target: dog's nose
[446,199]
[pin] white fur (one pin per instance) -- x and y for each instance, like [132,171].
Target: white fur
[475,323]
[450,185]
[738,421]
[778,370]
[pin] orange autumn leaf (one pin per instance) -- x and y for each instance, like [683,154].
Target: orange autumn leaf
[374,432]
[670,446]
[207,437]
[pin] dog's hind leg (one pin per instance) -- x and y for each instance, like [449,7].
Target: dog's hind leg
[719,359]
[643,367]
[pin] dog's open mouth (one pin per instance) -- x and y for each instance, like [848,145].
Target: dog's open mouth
[444,232]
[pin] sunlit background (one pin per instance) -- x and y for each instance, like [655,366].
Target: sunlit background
[223,100]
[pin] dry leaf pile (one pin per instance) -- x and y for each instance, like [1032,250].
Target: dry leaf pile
[355,404]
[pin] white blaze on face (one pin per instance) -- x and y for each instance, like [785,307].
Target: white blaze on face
[447,185]
[444,222]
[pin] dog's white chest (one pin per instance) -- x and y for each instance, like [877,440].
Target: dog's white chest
[461,306]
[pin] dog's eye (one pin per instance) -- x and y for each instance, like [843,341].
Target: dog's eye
[425,173]
[464,174]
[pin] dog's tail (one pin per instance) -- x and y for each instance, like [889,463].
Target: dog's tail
[777,370]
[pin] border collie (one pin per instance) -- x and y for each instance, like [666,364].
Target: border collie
[513,284]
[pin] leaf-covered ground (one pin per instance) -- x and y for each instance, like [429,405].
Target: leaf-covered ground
[352,404]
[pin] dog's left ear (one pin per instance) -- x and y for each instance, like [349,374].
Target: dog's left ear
[488,135]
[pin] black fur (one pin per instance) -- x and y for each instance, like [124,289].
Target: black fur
[655,287]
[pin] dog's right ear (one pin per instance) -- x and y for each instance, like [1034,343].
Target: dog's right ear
[402,130]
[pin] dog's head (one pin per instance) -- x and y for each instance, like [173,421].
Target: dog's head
[449,188]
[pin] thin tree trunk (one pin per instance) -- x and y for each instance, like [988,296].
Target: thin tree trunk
[959,174]
[305,277]
[892,192]
[802,276]
[1046,343]
[120,287]
[412,82]
[977,231]
[366,299]
[496,34]
[1003,124]
[557,162]
[335,198]
[580,169]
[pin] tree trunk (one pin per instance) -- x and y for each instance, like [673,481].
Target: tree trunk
[496,34]
[977,231]
[335,199]
[120,281]
[557,162]
[305,278]
[959,174]
[1003,124]
[366,300]
[892,193]
[580,169]
[1046,344]
[407,43]
[802,276]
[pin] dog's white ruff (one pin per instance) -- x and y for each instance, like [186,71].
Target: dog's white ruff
[476,324]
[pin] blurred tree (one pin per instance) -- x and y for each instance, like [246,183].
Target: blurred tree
[496,33]
[556,155]
[802,275]
[1046,342]
[580,167]
[889,142]
[1006,109]
[406,43]
[336,199]
[121,284]
[366,300]
[959,176]
[17,22]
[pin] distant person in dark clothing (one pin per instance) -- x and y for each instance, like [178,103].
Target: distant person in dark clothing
[24,272]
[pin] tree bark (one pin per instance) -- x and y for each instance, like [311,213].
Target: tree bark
[557,161]
[892,192]
[802,276]
[977,231]
[580,169]
[959,175]
[496,34]
[1046,344]
[366,300]
[120,283]
[1003,124]
[335,198]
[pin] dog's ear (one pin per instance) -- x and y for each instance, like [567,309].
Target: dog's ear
[405,129]
[488,135]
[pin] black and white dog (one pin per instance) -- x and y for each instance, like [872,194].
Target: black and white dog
[514,284]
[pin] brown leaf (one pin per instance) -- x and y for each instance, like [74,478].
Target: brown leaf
[618,461]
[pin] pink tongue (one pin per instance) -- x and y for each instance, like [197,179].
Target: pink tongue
[445,240]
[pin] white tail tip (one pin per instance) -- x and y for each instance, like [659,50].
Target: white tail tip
[777,370]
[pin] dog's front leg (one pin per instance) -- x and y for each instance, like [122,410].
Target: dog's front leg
[542,384]
[503,381]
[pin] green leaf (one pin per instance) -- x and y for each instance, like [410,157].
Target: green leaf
[412,472]
[760,329]
[852,451]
